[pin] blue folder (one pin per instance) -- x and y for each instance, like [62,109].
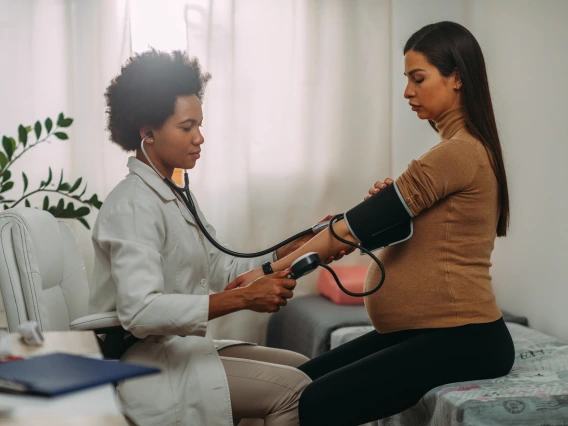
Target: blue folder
[58,374]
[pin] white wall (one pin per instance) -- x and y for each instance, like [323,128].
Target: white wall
[524,43]
[412,137]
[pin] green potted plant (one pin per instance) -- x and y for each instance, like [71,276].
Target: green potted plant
[13,150]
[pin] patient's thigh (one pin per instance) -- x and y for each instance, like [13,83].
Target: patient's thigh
[262,353]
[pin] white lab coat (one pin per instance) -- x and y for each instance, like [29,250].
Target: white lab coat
[154,266]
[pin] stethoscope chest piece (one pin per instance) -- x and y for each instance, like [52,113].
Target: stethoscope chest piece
[304,265]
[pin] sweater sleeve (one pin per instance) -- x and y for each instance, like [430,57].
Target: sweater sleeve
[447,168]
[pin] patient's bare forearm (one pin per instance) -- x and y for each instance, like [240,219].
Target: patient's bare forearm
[324,244]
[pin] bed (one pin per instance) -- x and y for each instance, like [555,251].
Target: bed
[534,393]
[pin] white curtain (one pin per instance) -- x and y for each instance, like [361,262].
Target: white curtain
[296,119]
[59,56]
[296,115]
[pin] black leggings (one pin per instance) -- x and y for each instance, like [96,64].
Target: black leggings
[378,375]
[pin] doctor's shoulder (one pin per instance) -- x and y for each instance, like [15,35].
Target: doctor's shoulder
[129,196]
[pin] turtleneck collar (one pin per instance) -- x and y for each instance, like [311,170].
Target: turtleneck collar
[449,122]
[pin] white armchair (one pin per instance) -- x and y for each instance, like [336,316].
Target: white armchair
[43,278]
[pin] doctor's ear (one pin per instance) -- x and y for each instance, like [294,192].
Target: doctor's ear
[147,134]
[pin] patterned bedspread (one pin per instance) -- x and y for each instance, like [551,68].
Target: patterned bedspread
[534,393]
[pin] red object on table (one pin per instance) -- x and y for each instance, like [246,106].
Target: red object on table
[351,277]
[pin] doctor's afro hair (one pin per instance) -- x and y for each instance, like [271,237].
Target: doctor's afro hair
[146,90]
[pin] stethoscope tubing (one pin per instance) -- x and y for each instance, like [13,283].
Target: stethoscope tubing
[185,195]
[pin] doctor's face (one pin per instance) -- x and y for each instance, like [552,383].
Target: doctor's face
[177,143]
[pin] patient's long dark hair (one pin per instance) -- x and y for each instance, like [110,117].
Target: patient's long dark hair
[451,47]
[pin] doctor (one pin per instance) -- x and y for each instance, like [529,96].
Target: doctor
[154,266]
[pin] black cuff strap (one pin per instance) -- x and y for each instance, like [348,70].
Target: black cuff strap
[267,269]
[381,220]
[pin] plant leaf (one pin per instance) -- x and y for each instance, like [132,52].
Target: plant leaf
[59,208]
[94,201]
[48,124]
[45,203]
[8,148]
[75,185]
[3,160]
[1,198]
[49,178]
[27,203]
[22,134]
[37,129]
[6,175]
[66,122]
[84,189]
[82,211]
[25,178]
[60,118]
[67,212]
[61,135]
[84,222]
[6,187]
[60,179]
[64,187]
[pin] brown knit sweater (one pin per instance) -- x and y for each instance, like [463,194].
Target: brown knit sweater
[440,276]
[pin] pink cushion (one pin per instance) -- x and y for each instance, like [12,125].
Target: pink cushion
[351,277]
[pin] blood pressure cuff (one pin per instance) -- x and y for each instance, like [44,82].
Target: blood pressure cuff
[381,220]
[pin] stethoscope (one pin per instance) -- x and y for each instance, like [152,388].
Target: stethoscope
[301,266]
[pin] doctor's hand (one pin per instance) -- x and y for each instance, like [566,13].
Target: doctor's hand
[378,186]
[269,292]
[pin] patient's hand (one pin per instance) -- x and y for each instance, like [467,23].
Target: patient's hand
[245,279]
[378,186]
[339,255]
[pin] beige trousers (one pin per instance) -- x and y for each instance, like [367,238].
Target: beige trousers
[264,384]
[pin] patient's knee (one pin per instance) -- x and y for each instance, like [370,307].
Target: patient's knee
[309,406]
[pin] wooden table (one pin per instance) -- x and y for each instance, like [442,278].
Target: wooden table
[100,402]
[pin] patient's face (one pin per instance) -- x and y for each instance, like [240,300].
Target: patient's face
[178,143]
[429,93]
